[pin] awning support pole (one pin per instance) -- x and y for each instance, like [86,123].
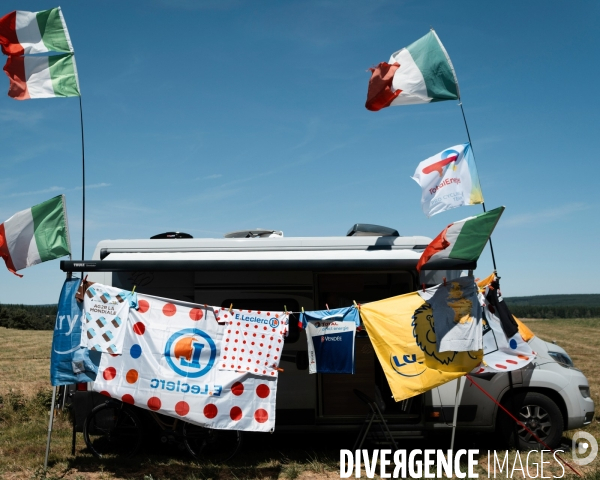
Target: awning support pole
[460,385]
[50,424]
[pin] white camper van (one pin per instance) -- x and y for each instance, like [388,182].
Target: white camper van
[262,269]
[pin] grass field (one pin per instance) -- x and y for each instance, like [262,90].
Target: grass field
[25,399]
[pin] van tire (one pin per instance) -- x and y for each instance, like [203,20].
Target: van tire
[541,415]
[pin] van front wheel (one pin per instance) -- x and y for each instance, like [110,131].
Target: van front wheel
[541,416]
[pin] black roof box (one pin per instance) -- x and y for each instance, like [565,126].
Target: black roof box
[171,235]
[369,230]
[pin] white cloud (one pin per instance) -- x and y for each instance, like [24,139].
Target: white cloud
[546,215]
[94,185]
[21,117]
[36,192]
[54,189]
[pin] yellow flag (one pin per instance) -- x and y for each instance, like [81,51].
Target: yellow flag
[524,330]
[401,331]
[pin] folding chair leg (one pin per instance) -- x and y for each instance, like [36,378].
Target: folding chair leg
[364,429]
[389,434]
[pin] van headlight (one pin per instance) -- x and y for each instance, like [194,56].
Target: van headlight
[585,391]
[562,358]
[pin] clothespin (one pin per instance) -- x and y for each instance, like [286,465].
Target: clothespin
[302,309]
[444,281]
[133,290]
[279,369]
[327,307]
[285,309]
[355,304]
[423,286]
[230,307]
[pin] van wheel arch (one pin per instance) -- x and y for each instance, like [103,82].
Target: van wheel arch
[505,400]
[550,406]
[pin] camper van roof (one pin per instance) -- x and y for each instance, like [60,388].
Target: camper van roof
[274,253]
[106,247]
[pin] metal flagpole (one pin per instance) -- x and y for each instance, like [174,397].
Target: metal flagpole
[51,422]
[83,183]
[483,203]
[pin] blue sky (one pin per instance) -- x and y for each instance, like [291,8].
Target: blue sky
[219,115]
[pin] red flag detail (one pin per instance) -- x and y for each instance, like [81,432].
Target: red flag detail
[8,35]
[438,244]
[5,253]
[15,71]
[438,166]
[380,93]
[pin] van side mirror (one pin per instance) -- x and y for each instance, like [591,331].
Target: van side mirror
[302,360]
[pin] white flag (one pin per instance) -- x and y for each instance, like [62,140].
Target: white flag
[448,180]
[501,354]
[170,365]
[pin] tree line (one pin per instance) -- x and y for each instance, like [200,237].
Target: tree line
[43,317]
[539,311]
[28,317]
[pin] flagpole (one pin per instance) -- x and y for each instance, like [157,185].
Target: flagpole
[482,203]
[83,182]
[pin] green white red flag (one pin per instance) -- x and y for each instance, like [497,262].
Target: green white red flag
[35,235]
[34,32]
[42,77]
[462,240]
[419,73]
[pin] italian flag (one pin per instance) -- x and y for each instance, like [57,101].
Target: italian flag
[42,77]
[35,235]
[34,32]
[463,240]
[422,73]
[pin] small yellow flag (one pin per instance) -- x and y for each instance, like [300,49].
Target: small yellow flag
[402,332]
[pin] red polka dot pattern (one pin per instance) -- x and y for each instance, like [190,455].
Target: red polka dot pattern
[263,390]
[237,388]
[246,403]
[182,408]
[154,403]
[261,415]
[235,414]
[210,410]
[109,373]
[144,306]
[139,328]
[169,310]
[261,344]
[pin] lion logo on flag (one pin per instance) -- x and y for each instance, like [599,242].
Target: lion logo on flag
[424,333]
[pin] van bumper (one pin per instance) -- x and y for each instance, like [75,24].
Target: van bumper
[581,411]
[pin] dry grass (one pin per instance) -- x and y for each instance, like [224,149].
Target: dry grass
[25,392]
[24,360]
